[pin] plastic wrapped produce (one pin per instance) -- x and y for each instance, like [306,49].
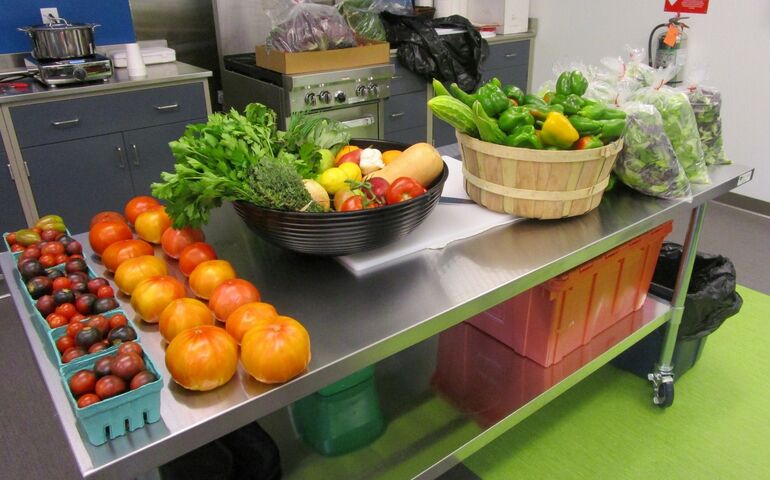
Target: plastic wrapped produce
[706,104]
[363,16]
[679,124]
[647,162]
[300,26]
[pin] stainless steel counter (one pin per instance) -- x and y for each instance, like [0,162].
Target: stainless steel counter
[156,75]
[356,321]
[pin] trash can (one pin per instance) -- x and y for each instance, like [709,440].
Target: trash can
[711,299]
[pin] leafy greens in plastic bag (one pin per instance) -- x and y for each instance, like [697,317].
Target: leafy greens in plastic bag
[707,104]
[300,26]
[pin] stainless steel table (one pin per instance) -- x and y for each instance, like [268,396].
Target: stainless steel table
[390,316]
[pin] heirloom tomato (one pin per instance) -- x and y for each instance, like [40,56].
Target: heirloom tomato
[194,254]
[151,224]
[207,276]
[246,316]
[123,250]
[153,294]
[103,234]
[174,240]
[230,295]
[134,270]
[107,216]
[181,314]
[202,358]
[276,350]
[138,205]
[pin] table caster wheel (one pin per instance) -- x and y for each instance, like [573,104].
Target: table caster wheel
[663,389]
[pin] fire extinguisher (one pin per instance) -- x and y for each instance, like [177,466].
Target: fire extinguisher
[666,54]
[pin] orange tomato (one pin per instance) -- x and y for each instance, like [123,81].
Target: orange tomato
[230,295]
[134,270]
[344,151]
[202,358]
[208,275]
[139,205]
[390,155]
[276,350]
[174,240]
[151,224]
[246,316]
[123,250]
[103,234]
[193,255]
[181,314]
[107,216]
[153,294]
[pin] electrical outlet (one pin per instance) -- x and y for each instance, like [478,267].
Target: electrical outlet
[48,13]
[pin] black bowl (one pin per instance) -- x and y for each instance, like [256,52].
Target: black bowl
[343,233]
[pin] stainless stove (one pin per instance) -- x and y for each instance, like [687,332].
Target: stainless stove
[73,70]
[352,96]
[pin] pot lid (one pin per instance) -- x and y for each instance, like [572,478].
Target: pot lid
[59,24]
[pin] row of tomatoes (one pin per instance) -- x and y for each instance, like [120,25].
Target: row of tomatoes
[200,354]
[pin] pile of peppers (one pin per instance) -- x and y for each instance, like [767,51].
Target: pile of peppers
[561,120]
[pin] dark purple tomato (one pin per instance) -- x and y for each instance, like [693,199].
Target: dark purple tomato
[39,286]
[76,265]
[73,248]
[65,295]
[45,305]
[88,336]
[121,334]
[85,303]
[102,366]
[30,269]
[109,385]
[142,378]
[102,305]
[126,365]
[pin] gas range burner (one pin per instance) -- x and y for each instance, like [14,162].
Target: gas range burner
[72,70]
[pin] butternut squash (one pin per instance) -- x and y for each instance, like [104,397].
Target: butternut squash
[421,162]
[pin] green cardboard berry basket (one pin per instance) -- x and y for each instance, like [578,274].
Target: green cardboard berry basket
[116,416]
[56,333]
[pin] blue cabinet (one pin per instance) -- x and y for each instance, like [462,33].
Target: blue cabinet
[11,214]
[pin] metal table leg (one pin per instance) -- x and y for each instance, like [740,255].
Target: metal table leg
[663,377]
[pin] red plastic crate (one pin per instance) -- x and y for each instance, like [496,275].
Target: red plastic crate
[547,322]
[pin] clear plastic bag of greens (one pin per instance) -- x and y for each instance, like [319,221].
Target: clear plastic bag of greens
[706,104]
[363,16]
[678,122]
[301,26]
[647,162]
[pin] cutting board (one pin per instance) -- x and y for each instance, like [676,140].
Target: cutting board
[455,217]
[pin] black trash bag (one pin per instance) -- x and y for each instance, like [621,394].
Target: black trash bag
[448,58]
[711,297]
[245,454]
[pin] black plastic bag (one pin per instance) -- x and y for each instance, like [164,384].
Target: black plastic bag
[711,297]
[448,58]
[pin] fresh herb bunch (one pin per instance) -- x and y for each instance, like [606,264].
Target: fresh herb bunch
[275,183]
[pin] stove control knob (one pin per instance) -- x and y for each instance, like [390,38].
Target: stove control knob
[340,97]
[373,89]
[325,96]
[361,91]
[79,73]
[310,98]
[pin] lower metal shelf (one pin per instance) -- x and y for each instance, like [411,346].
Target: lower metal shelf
[447,397]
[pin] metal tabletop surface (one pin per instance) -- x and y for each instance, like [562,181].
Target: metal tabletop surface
[354,320]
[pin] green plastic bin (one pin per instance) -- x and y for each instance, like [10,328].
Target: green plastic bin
[341,417]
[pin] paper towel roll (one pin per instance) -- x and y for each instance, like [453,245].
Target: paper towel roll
[134,61]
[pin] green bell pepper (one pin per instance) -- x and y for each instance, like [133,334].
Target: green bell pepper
[489,131]
[573,82]
[514,93]
[585,126]
[524,136]
[439,88]
[600,111]
[540,112]
[496,81]
[530,99]
[612,129]
[589,141]
[458,93]
[492,99]
[571,103]
[513,117]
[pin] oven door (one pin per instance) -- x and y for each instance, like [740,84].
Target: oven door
[363,120]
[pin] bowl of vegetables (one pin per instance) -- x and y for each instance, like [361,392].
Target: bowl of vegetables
[332,233]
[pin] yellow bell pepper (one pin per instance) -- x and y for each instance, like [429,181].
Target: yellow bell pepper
[558,131]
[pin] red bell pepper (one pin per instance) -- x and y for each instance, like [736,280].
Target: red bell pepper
[403,188]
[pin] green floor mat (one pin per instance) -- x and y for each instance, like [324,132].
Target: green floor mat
[607,428]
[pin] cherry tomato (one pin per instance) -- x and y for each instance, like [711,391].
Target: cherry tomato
[73,328]
[71,354]
[61,282]
[100,323]
[194,254]
[105,291]
[99,346]
[49,235]
[352,203]
[130,347]
[82,382]
[403,188]
[109,386]
[52,248]
[67,310]
[11,238]
[47,261]
[118,320]
[102,366]
[77,318]
[107,216]
[31,252]
[142,378]
[56,320]
[15,248]
[96,283]
[139,205]
[88,399]
[61,258]
[64,343]
[126,365]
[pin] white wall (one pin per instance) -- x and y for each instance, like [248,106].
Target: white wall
[732,40]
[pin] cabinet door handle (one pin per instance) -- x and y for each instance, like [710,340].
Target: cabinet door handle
[10,170]
[170,106]
[121,157]
[397,114]
[26,168]
[136,154]
[509,55]
[396,77]
[62,123]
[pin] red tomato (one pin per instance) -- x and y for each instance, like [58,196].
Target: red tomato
[82,382]
[96,283]
[61,282]
[126,365]
[207,276]
[33,251]
[403,188]
[49,235]
[47,261]
[99,346]
[141,379]
[194,254]
[56,320]
[230,295]
[105,291]
[139,205]
[174,240]
[100,323]
[109,386]
[77,317]
[352,203]
[151,225]
[130,347]
[64,343]
[88,399]
[52,248]
[11,238]
[15,248]
[73,328]
[61,258]
[71,354]
[123,250]
[118,320]
[67,310]
[104,234]
[107,216]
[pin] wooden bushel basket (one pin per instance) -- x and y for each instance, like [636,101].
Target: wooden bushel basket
[531,183]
